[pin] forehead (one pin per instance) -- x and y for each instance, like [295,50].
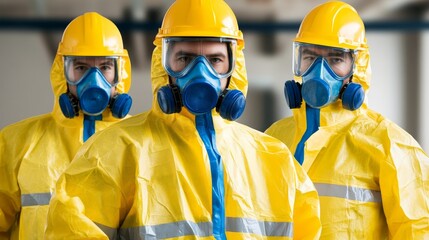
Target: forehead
[199,47]
[92,60]
[320,50]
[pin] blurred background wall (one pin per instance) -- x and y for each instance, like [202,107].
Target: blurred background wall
[397,33]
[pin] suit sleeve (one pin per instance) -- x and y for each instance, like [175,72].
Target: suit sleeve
[89,202]
[307,224]
[10,197]
[404,184]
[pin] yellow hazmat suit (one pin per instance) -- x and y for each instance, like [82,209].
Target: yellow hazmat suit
[372,177]
[150,176]
[34,152]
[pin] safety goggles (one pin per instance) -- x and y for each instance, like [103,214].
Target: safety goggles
[179,54]
[76,68]
[340,60]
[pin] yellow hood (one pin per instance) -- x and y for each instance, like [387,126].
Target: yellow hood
[332,114]
[59,86]
[160,77]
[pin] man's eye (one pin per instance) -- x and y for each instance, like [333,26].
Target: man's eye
[336,60]
[80,68]
[184,59]
[105,67]
[215,60]
[309,58]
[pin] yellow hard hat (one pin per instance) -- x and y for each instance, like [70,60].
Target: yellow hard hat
[91,34]
[200,18]
[334,24]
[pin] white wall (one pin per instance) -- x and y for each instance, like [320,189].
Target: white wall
[386,94]
[25,88]
[424,90]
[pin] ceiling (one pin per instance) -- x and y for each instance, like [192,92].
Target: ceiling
[278,10]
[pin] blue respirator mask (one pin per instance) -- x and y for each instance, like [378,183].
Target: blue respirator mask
[197,83]
[322,79]
[93,89]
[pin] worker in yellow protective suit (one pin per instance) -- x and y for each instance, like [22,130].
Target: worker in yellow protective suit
[185,169]
[90,76]
[372,177]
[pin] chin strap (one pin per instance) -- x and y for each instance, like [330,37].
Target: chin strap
[313,123]
[89,125]
[205,128]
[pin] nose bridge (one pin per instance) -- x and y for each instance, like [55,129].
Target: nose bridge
[201,59]
[316,69]
[198,66]
[200,69]
[93,74]
[200,63]
[95,77]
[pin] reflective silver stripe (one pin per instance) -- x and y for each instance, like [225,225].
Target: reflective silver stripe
[263,228]
[35,199]
[168,230]
[348,192]
[205,229]
[112,233]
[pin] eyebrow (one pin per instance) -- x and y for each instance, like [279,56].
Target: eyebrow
[335,53]
[307,51]
[78,62]
[220,55]
[106,62]
[181,52]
